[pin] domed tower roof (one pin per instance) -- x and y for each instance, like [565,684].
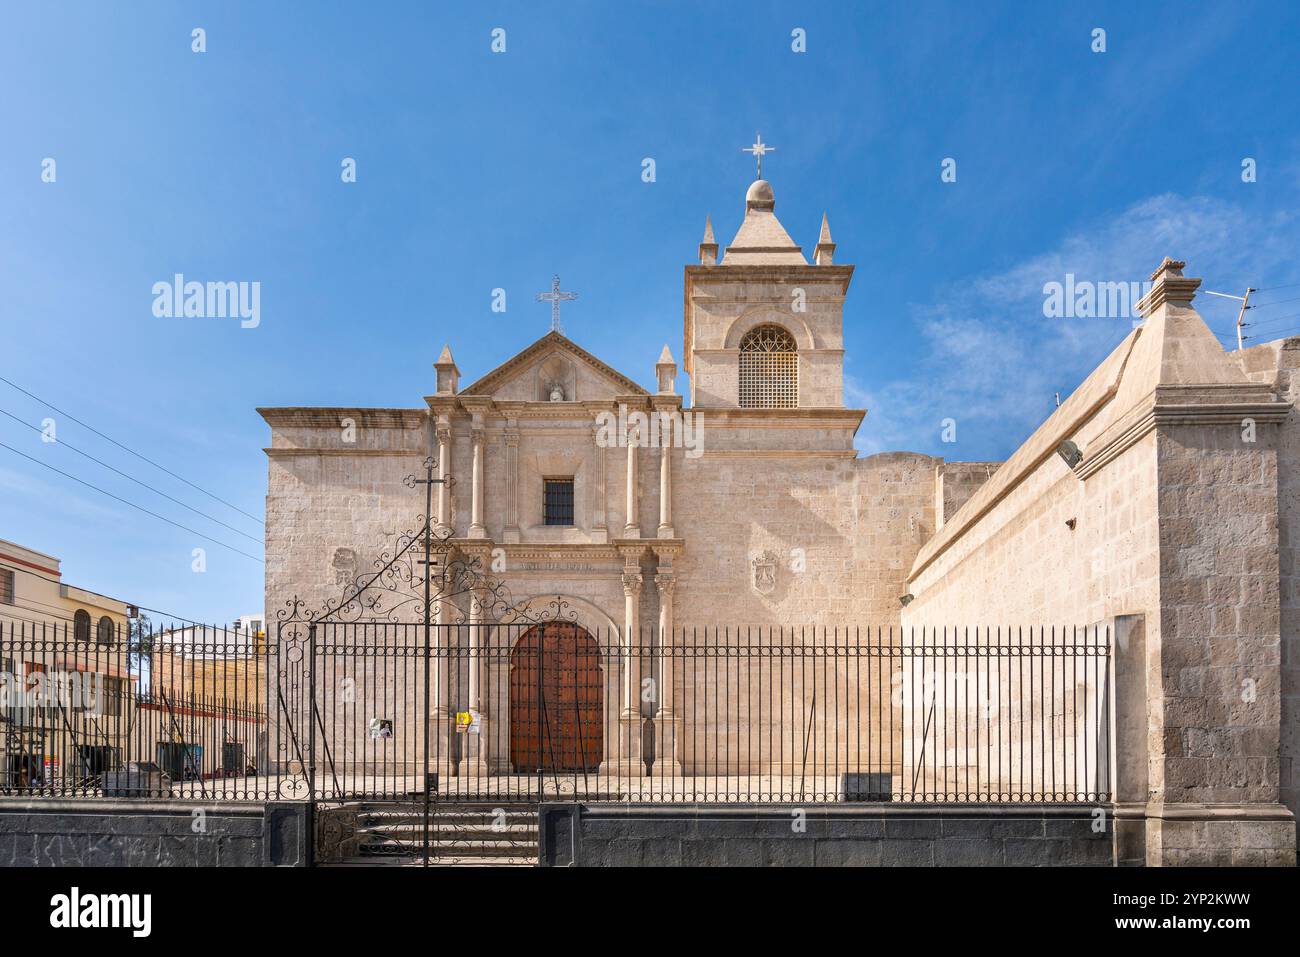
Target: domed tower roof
[760,195]
[761,239]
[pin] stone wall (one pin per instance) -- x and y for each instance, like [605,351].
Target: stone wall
[333,505]
[843,532]
[1218,611]
[1171,514]
[49,832]
[818,836]
[1278,364]
[955,483]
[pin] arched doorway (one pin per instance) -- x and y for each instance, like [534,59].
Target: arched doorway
[557,700]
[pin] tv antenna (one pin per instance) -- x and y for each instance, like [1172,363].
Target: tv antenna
[1241,315]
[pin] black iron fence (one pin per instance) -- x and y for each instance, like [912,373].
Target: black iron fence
[131,711]
[537,710]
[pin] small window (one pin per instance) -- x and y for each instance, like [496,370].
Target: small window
[558,501]
[7,586]
[81,625]
[104,631]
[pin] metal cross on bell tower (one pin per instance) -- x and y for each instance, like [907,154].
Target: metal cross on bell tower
[555,297]
[759,149]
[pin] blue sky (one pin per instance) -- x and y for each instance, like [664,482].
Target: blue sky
[478,171]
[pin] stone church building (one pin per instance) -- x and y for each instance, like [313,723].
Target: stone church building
[741,501]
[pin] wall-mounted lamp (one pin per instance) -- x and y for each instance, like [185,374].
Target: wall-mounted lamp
[1069,453]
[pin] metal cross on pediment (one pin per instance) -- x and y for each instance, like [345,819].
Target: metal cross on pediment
[555,297]
[759,149]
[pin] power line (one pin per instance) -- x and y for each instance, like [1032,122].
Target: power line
[140,508]
[1282,334]
[156,611]
[1267,337]
[134,605]
[42,611]
[1274,320]
[132,451]
[1275,302]
[31,621]
[169,498]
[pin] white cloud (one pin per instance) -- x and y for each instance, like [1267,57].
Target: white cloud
[992,361]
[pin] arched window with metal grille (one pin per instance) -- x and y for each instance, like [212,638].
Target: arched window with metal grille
[81,625]
[104,631]
[769,369]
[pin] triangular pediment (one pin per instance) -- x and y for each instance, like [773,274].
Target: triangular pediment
[552,361]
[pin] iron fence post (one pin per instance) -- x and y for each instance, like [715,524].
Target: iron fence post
[311,704]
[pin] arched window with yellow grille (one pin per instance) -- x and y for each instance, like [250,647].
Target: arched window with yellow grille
[769,369]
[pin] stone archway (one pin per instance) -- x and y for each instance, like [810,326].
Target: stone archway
[557,699]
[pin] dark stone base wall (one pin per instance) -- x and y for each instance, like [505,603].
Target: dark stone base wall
[136,833]
[833,836]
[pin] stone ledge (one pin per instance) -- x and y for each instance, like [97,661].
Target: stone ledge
[830,835]
[862,810]
[1219,812]
[133,806]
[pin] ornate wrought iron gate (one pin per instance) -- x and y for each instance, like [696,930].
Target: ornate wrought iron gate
[380,692]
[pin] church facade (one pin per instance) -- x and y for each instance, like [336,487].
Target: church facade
[748,505]
[745,504]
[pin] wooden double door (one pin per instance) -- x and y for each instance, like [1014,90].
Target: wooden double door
[557,700]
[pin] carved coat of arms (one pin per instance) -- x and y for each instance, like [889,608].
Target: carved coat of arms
[764,573]
[344,565]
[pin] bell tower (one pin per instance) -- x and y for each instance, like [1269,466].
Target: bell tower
[763,328]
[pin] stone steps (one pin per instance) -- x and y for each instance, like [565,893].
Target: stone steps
[481,835]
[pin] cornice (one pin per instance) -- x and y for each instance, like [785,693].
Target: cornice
[616,550]
[552,340]
[735,351]
[733,417]
[781,453]
[1169,406]
[735,272]
[283,453]
[329,417]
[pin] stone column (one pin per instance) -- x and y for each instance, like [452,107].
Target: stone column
[665,493]
[439,715]
[632,529]
[667,764]
[444,472]
[474,746]
[511,534]
[631,641]
[474,696]
[1127,707]
[630,762]
[599,528]
[476,529]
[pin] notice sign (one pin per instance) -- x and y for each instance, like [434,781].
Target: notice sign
[381,727]
[467,721]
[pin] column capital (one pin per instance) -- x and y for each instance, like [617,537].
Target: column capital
[665,583]
[632,582]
